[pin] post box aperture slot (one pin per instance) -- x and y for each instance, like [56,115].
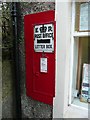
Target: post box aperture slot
[43,40]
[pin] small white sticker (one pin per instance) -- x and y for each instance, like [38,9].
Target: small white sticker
[43,65]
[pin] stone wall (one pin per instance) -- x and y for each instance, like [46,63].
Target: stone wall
[7,63]
[32,108]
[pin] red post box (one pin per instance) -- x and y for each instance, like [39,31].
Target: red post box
[40,40]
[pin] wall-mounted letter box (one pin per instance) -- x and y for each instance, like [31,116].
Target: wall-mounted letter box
[40,56]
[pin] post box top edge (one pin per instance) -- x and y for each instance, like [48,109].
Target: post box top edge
[50,11]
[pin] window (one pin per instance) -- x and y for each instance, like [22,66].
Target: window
[80,40]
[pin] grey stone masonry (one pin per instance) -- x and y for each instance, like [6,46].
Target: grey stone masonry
[32,108]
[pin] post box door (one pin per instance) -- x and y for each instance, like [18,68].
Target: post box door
[40,64]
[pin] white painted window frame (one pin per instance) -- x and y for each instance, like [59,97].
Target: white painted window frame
[73,35]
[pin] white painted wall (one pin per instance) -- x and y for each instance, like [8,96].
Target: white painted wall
[63,22]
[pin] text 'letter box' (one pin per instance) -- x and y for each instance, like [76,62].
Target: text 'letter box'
[40,41]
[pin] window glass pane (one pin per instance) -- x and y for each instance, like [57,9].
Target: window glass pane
[82,16]
[77,8]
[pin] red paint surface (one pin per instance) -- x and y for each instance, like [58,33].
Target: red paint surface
[39,86]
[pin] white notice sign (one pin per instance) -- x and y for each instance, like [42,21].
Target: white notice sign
[43,65]
[44,38]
